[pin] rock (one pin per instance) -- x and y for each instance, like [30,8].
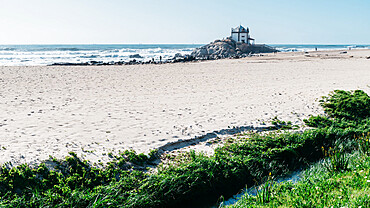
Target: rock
[227,48]
[178,55]
[135,56]
[70,64]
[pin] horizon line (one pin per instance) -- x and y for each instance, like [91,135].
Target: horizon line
[175,43]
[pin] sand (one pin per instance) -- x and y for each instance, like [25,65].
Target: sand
[94,110]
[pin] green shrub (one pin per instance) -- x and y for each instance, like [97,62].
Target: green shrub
[350,105]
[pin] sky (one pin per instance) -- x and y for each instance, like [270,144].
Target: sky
[183,21]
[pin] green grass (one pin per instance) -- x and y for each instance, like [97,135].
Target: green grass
[320,187]
[191,176]
[282,125]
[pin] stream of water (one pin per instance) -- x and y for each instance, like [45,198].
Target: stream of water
[294,177]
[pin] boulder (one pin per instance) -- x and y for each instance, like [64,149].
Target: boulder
[178,55]
[135,56]
[229,48]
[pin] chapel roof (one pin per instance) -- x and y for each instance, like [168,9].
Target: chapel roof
[240,28]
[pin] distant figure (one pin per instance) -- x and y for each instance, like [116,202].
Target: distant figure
[315,48]
[152,60]
[160,59]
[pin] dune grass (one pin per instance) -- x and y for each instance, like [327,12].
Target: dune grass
[319,187]
[189,177]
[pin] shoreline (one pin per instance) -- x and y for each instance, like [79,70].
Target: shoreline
[122,107]
[116,54]
[178,58]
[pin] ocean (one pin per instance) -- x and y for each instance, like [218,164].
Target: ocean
[29,55]
[306,47]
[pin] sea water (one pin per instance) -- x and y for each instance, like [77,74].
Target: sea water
[307,48]
[28,55]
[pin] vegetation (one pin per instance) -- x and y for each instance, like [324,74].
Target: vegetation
[279,124]
[122,182]
[341,179]
[320,187]
[344,109]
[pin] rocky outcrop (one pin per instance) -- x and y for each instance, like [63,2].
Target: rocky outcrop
[229,48]
[136,56]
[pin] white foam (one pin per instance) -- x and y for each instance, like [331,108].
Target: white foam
[22,58]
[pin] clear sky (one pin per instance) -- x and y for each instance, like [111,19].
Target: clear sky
[183,21]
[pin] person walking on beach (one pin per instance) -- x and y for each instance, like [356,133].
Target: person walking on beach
[160,59]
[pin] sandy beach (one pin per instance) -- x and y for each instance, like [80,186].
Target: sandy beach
[94,110]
